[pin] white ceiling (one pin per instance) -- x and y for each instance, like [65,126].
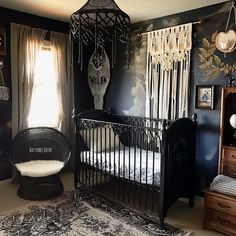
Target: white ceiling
[138,10]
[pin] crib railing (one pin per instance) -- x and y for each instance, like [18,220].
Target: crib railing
[147,163]
[120,160]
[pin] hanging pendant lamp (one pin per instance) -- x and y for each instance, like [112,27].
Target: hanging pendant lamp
[100,22]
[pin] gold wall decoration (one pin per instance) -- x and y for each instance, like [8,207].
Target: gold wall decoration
[211,64]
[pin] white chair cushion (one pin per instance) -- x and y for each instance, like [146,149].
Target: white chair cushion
[39,168]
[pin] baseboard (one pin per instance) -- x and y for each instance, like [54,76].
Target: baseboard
[198,201]
[5,182]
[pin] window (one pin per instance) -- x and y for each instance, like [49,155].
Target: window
[44,108]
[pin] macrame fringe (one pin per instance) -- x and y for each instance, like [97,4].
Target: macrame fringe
[167,72]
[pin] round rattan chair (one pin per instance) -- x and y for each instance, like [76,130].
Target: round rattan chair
[39,154]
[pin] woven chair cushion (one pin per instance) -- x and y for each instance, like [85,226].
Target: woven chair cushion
[40,168]
[224,184]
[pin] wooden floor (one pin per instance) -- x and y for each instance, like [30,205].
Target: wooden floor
[179,214]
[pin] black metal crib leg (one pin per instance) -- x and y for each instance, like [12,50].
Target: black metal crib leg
[162,224]
[162,216]
[191,201]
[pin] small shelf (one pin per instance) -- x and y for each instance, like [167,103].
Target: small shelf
[229,147]
[228,108]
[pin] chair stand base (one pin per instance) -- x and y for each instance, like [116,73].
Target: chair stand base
[41,188]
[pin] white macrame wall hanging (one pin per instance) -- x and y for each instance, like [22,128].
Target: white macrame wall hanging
[167,72]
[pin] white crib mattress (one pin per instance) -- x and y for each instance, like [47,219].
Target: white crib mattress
[143,166]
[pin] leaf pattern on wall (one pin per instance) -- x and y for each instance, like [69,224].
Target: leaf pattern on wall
[212,65]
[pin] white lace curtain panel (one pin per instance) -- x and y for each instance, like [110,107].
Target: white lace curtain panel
[167,72]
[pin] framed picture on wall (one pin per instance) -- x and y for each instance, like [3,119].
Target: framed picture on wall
[2,42]
[204,97]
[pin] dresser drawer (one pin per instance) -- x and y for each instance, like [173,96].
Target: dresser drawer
[229,155]
[219,203]
[229,170]
[222,222]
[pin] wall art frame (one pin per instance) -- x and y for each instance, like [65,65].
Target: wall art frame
[2,42]
[204,97]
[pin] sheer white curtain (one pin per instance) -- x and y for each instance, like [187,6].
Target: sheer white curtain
[65,87]
[60,48]
[25,46]
[167,73]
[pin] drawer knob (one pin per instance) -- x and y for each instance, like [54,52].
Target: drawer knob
[223,206]
[233,156]
[223,221]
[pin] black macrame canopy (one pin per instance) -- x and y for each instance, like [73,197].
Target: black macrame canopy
[100,22]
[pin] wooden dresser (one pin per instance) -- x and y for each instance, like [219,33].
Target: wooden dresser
[228,161]
[220,209]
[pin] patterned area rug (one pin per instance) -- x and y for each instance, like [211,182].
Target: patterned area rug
[79,213]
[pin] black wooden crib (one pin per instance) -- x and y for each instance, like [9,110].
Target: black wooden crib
[145,163]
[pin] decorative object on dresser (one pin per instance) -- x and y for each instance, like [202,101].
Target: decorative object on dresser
[220,201]
[232,121]
[224,184]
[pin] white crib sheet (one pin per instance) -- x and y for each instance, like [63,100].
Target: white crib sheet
[117,163]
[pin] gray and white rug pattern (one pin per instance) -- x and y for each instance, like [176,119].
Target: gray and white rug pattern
[79,213]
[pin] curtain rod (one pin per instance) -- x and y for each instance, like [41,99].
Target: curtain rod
[194,23]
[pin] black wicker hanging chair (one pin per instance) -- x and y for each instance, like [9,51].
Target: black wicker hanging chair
[39,154]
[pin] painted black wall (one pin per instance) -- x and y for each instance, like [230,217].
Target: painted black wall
[8,16]
[126,91]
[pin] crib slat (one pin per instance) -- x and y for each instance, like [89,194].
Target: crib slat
[88,176]
[83,160]
[119,171]
[129,173]
[93,164]
[140,178]
[110,153]
[114,161]
[78,162]
[134,170]
[146,176]
[101,167]
[123,192]
[153,172]
[105,175]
